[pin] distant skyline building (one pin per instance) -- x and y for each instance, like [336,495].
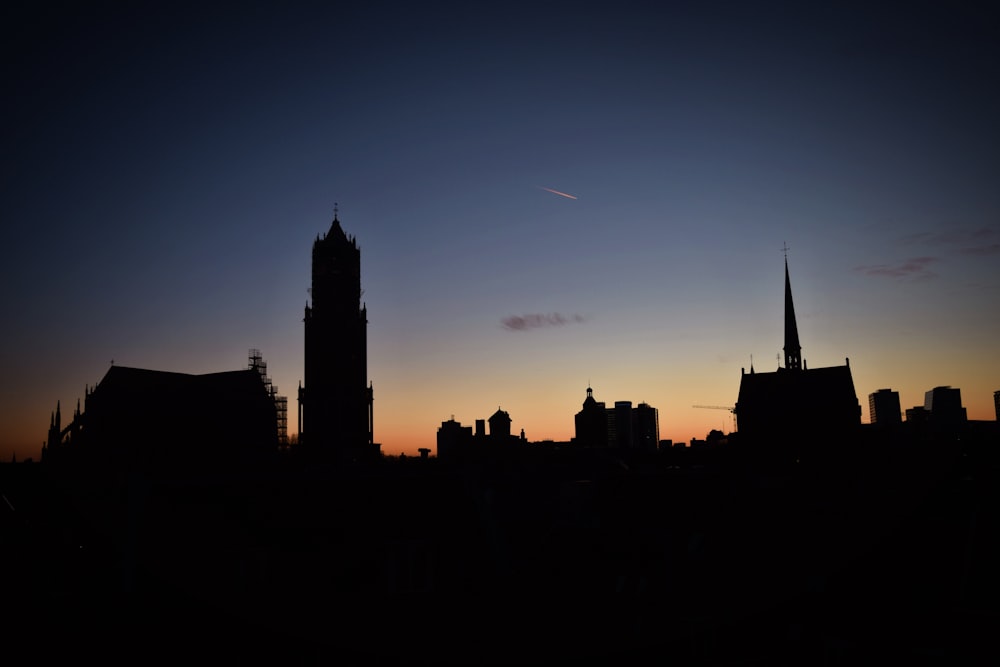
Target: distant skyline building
[459,443]
[621,426]
[944,406]
[917,415]
[500,424]
[884,407]
[996,404]
[786,405]
[646,431]
[335,403]
[592,422]
[453,439]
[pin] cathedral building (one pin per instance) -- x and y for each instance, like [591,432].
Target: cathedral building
[335,403]
[796,404]
[137,420]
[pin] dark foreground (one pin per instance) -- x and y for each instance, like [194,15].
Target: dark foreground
[556,559]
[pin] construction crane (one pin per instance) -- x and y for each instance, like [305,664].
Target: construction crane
[732,410]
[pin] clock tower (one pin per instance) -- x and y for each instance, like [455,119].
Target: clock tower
[335,405]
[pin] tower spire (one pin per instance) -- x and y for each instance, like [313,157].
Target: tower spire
[335,229]
[793,351]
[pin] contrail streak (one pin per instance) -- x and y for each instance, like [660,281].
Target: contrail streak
[556,192]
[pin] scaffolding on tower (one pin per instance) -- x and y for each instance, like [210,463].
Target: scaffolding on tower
[257,363]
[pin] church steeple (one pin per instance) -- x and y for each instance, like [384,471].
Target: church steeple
[793,351]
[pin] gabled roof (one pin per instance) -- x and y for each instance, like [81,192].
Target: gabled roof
[832,379]
[149,382]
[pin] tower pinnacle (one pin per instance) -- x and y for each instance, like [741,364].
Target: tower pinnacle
[793,351]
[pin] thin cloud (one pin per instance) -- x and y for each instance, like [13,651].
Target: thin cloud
[915,268]
[982,250]
[539,321]
[983,241]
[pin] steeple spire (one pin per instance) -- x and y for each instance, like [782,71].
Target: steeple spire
[793,351]
[335,227]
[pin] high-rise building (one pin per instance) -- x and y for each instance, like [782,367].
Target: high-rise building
[646,434]
[335,403]
[996,404]
[883,407]
[944,406]
[796,403]
[620,424]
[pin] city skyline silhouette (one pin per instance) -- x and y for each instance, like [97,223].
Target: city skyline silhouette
[541,258]
[168,490]
[163,174]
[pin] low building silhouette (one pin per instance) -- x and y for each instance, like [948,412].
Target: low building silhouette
[457,443]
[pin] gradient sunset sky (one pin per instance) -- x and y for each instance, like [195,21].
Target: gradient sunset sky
[166,168]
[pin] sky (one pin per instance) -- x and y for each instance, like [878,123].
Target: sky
[166,168]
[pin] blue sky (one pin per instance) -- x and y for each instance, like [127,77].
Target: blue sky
[166,169]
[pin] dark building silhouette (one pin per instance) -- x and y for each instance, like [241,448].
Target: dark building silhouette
[793,401]
[646,428]
[335,404]
[996,405]
[918,414]
[883,407]
[592,422]
[944,407]
[500,425]
[633,553]
[458,443]
[138,420]
[453,439]
[622,426]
